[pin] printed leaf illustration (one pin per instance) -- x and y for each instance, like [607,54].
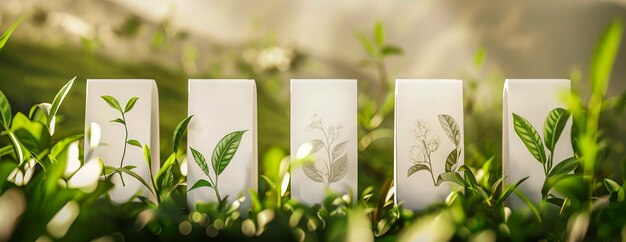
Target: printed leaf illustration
[339,168]
[200,160]
[134,143]
[339,149]
[56,102]
[179,131]
[553,127]
[317,145]
[529,137]
[334,159]
[311,172]
[130,104]
[451,160]
[451,128]
[5,111]
[225,150]
[201,183]
[416,168]
[112,102]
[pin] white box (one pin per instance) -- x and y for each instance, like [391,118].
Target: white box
[219,107]
[143,125]
[428,128]
[324,113]
[532,99]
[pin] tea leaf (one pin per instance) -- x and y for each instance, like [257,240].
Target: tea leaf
[225,150]
[571,186]
[390,50]
[553,127]
[201,183]
[118,120]
[112,102]
[317,145]
[5,111]
[451,160]
[5,36]
[56,103]
[62,145]
[17,146]
[311,172]
[178,133]
[367,45]
[134,143]
[450,177]
[164,170]
[604,57]
[451,128]
[200,160]
[566,166]
[510,190]
[416,168]
[136,176]
[379,34]
[529,137]
[338,169]
[130,104]
[339,149]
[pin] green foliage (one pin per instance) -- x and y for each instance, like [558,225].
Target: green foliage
[7,33]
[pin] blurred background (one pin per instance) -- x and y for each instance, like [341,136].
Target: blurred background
[482,42]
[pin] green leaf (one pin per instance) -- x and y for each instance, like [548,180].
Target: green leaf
[510,190]
[451,160]
[529,203]
[201,183]
[165,168]
[56,103]
[611,185]
[451,128]
[339,149]
[134,143]
[573,186]
[416,168]
[62,145]
[5,111]
[530,137]
[5,36]
[338,169]
[379,34]
[450,177]
[369,48]
[553,127]
[136,176]
[112,102]
[200,160]
[225,150]
[566,166]
[148,156]
[179,132]
[390,50]
[17,147]
[118,120]
[130,104]
[561,169]
[604,57]
[479,57]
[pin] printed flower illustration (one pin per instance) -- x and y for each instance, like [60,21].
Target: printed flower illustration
[425,145]
[332,165]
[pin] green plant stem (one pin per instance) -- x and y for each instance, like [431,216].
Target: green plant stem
[124,151]
[217,191]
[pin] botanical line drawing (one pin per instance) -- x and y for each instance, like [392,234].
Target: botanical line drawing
[114,103]
[332,166]
[223,153]
[421,151]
